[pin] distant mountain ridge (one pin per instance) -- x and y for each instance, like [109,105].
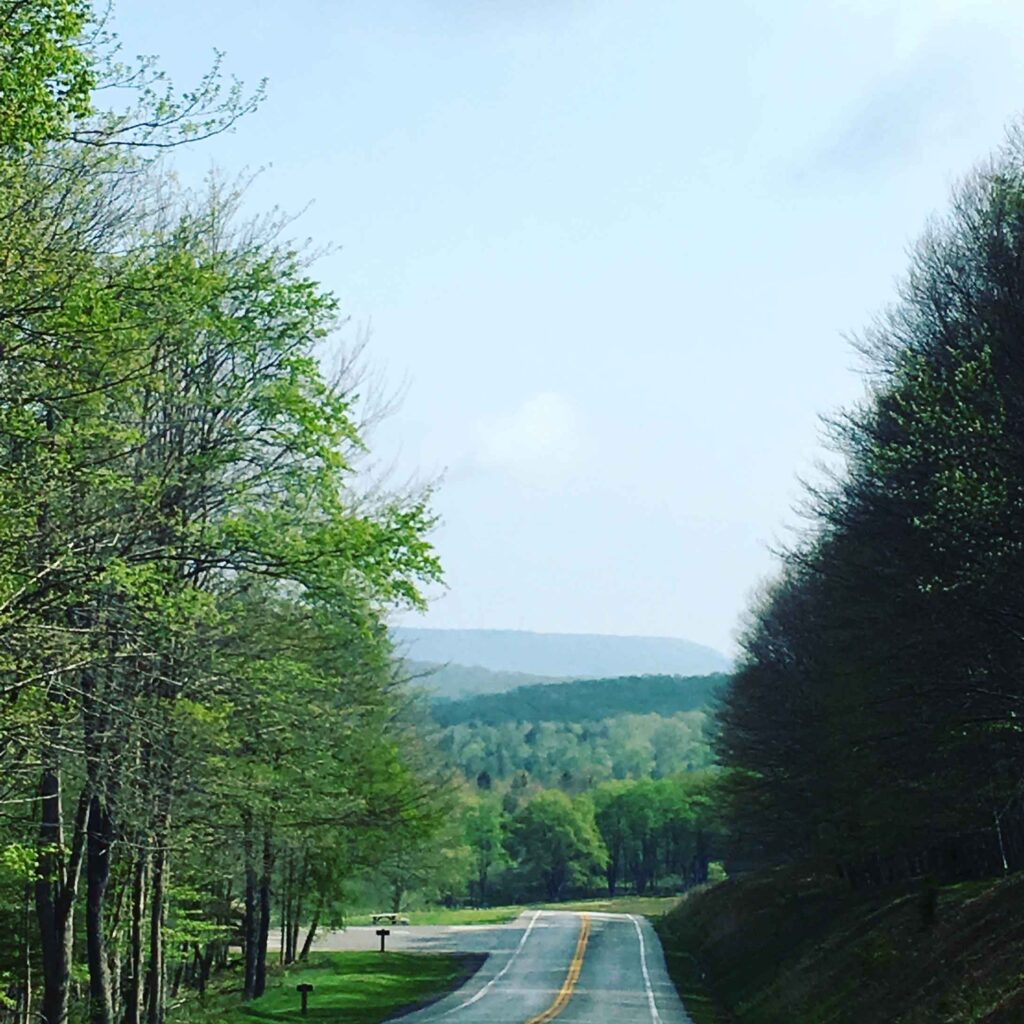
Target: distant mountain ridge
[558,655]
[455,681]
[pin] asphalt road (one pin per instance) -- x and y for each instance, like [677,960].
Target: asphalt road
[578,968]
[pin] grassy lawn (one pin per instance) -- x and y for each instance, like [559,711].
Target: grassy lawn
[441,915]
[646,906]
[355,987]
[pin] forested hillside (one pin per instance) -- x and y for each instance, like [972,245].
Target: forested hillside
[564,792]
[575,735]
[572,749]
[872,732]
[583,700]
[874,720]
[577,755]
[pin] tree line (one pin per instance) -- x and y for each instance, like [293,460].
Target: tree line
[641,835]
[582,700]
[875,725]
[576,756]
[201,730]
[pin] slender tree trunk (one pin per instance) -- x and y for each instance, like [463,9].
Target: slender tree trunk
[293,916]
[97,875]
[115,965]
[251,927]
[264,908]
[56,889]
[155,983]
[311,934]
[205,964]
[1002,845]
[133,993]
[179,971]
[611,872]
[397,895]
[54,940]
[701,856]
[26,960]
[293,937]
[481,886]
[287,882]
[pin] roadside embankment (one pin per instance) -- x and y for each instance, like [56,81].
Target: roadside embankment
[792,946]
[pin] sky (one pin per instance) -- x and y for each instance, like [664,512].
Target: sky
[608,253]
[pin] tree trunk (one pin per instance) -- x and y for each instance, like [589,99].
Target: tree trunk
[25,1016]
[611,873]
[296,885]
[133,991]
[311,934]
[250,926]
[397,895]
[97,874]
[287,909]
[54,940]
[701,859]
[115,947]
[205,964]
[158,896]
[264,907]
[293,937]
[56,889]
[179,971]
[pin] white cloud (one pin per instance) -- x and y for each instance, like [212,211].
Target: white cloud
[542,439]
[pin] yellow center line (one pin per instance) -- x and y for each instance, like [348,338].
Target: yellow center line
[573,975]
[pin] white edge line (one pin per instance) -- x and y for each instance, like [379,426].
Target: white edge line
[501,973]
[655,1016]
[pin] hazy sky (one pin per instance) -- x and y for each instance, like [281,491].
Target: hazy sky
[610,249]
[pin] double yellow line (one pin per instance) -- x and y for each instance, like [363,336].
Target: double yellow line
[573,975]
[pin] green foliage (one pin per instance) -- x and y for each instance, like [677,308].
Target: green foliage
[874,720]
[655,829]
[556,841]
[193,582]
[46,75]
[432,866]
[483,826]
[583,700]
[578,755]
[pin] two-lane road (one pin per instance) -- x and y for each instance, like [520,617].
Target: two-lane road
[578,968]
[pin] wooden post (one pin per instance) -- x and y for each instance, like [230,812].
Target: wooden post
[304,991]
[383,933]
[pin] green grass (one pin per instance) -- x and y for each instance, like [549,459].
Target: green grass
[688,978]
[792,945]
[441,915]
[354,987]
[644,906]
